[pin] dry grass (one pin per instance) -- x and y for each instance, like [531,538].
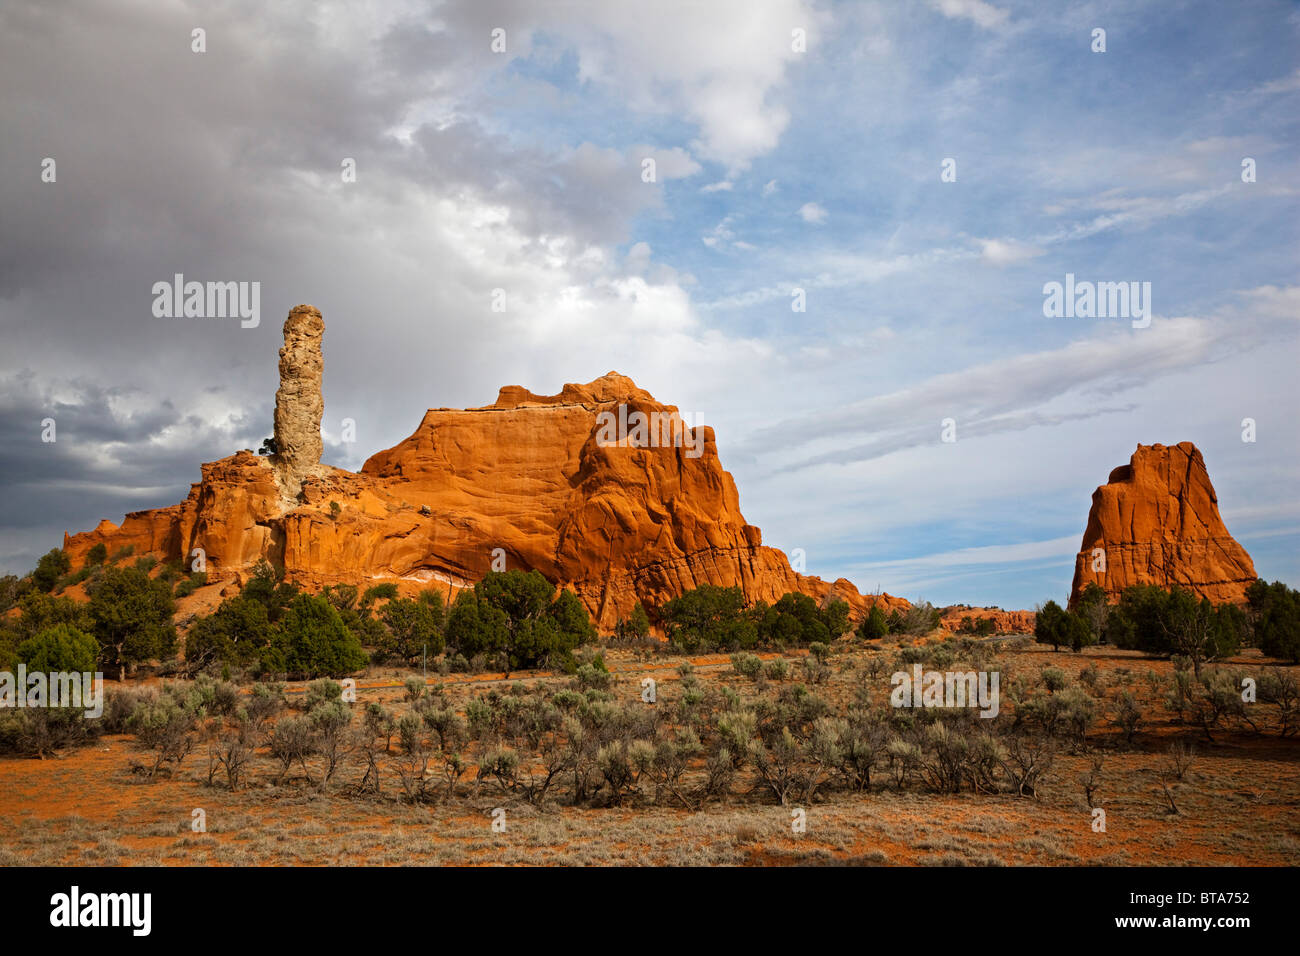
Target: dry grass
[1237,803]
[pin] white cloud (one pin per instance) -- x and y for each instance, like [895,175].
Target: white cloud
[1017,391]
[720,64]
[812,212]
[769,188]
[1285,84]
[977,11]
[1002,252]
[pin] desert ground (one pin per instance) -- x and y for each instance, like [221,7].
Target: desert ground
[1237,801]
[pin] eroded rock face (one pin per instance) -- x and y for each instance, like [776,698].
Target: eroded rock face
[1004,622]
[1156,521]
[299,402]
[529,482]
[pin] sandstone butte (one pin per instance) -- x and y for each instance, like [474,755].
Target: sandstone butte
[1157,522]
[525,475]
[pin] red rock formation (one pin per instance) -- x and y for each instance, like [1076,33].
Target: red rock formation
[528,481]
[1157,522]
[1004,622]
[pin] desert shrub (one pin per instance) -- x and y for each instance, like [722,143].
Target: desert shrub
[874,625]
[61,647]
[1127,715]
[231,752]
[912,655]
[1056,626]
[707,616]
[52,566]
[408,733]
[778,669]
[131,617]
[293,740]
[237,633]
[511,617]
[265,702]
[1280,688]
[12,588]
[796,620]
[265,587]
[191,583]
[386,591]
[413,628]
[330,721]
[146,563]
[1078,710]
[313,641]
[165,726]
[98,554]
[321,691]
[1054,679]
[41,731]
[919,619]
[1174,622]
[747,665]
[591,677]
[216,696]
[635,627]
[120,705]
[815,670]
[1273,613]
[940,657]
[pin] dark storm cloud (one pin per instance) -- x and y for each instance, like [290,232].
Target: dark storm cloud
[226,166]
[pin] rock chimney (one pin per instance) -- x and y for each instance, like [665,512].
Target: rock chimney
[298,402]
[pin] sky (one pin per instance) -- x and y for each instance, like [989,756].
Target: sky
[915,173]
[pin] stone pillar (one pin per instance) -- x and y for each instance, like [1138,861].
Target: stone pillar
[299,403]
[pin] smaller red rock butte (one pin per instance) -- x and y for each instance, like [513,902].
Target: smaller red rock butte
[524,479]
[1157,522]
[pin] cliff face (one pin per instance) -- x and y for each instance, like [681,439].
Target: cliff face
[565,484]
[1157,522]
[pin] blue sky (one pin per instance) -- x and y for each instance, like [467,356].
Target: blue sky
[776,170]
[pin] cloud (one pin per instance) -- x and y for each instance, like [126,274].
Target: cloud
[1013,393]
[1284,84]
[1002,252]
[720,65]
[977,11]
[812,212]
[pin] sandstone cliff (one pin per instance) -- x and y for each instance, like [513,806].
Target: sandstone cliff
[529,482]
[1156,521]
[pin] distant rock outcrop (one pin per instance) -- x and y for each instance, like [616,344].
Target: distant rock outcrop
[529,482]
[1004,622]
[1156,521]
